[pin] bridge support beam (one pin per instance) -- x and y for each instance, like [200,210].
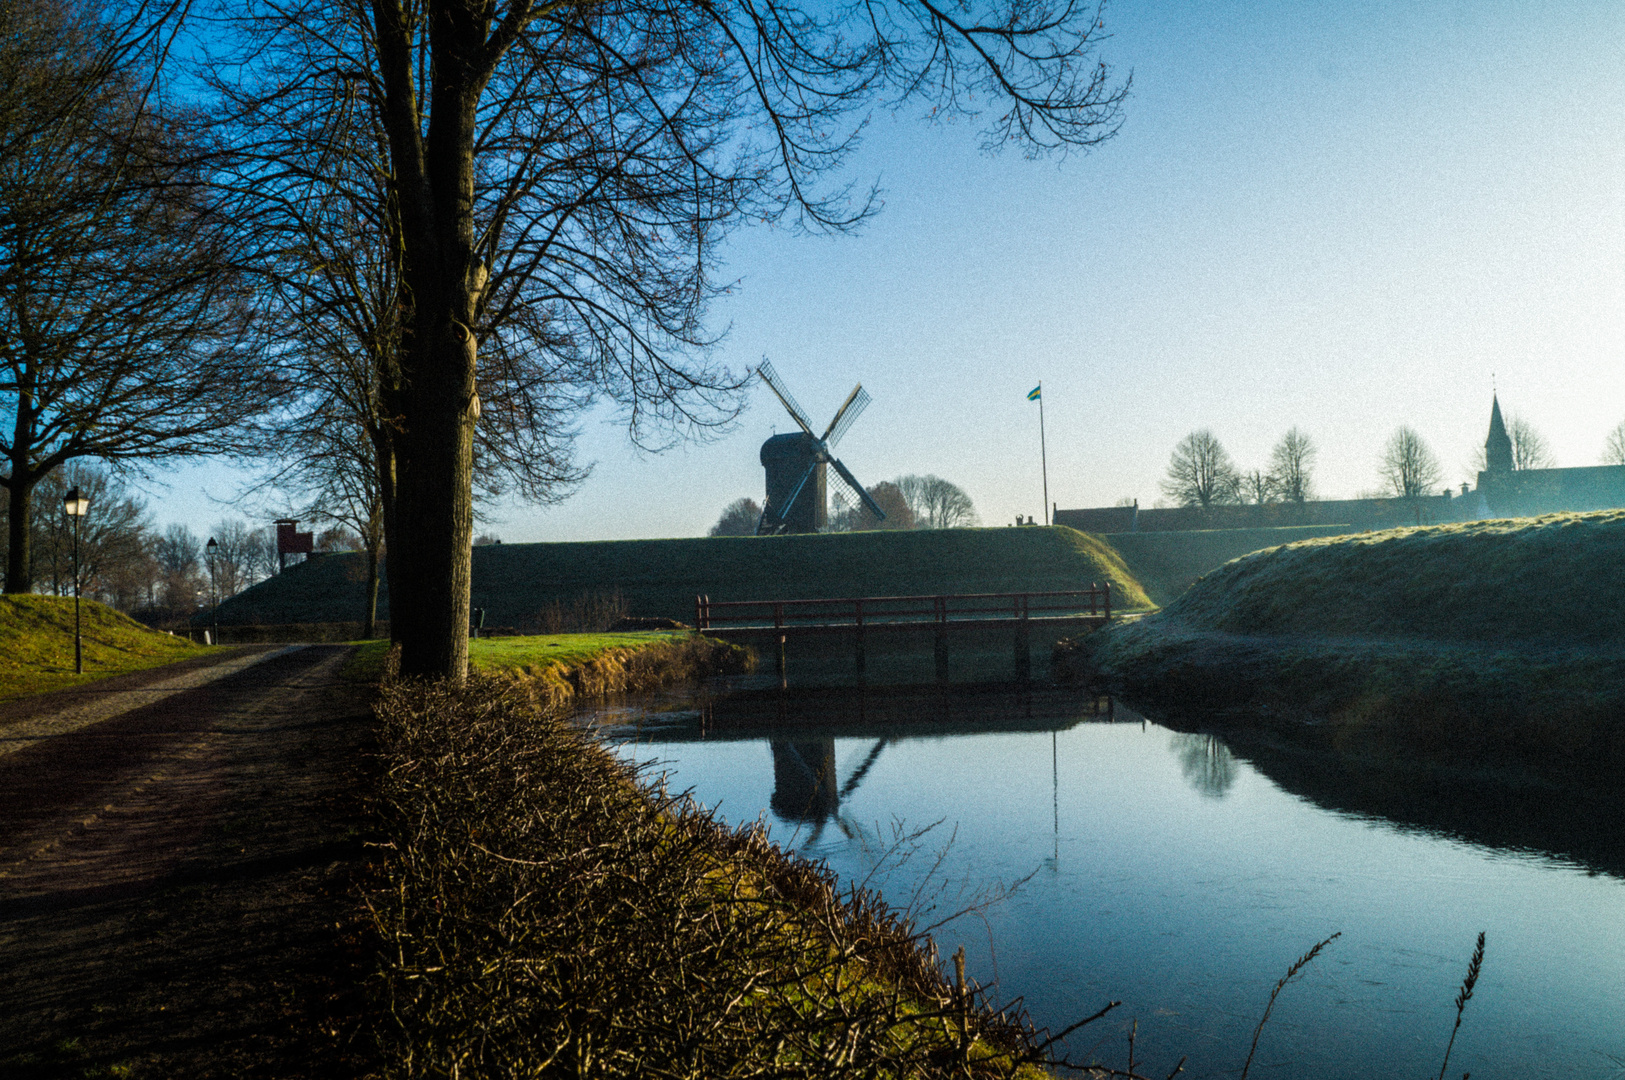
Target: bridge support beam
[1023,650]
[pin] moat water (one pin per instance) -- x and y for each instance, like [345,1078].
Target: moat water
[1104,857]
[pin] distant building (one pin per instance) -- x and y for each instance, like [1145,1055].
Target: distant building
[1507,492]
[1502,492]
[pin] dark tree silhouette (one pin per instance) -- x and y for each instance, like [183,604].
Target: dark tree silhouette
[1200,472]
[123,335]
[559,177]
[739,518]
[1409,466]
[1291,473]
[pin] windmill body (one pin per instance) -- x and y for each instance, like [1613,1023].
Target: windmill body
[786,460]
[797,480]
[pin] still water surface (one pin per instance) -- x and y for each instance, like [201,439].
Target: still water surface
[1170,872]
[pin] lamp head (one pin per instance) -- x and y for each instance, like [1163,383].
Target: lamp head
[211,546]
[75,504]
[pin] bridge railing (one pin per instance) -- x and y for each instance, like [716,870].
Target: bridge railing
[859,611]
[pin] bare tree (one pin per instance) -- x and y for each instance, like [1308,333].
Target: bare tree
[1409,467]
[1292,467]
[1257,487]
[937,503]
[1613,450]
[1529,448]
[179,552]
[739,518]
[565,172]
[116,563]
[236,561]
[122,337]
[1200,472]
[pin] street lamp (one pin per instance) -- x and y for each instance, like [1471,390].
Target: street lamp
[76,506]
[210,549]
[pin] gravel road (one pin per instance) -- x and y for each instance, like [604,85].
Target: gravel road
[176,855]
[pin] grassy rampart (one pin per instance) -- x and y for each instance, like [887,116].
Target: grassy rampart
[36,644]
[1167,563]
[515,583]
[541,913]
[1495,634]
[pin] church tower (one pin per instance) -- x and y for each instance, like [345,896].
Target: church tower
[1498,447]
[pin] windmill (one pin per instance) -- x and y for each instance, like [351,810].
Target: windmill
[797,484]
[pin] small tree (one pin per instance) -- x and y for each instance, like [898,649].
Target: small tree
[738,518]
[1258,488]
[1409,467]
[1613,451]
[115,558]
[1529,449]
[889,497]
[1291,464]
[937,503]
[1200,472]
[179,552]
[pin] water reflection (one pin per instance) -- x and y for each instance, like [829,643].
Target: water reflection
[1184,870]
[1206,761]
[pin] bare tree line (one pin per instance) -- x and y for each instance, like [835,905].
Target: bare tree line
[909,502]
[162,575]
[1201,472]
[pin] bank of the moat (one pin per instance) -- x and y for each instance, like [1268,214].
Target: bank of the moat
[1488,638]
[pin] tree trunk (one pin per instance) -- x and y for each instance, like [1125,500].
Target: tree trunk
[429,547]
[19,551]
[369,624]
[429,556]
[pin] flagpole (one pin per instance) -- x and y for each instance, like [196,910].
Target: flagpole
[1043,456]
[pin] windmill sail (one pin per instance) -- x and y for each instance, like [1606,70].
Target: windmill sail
[795,464]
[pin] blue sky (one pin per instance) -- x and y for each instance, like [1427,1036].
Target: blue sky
[1344,217]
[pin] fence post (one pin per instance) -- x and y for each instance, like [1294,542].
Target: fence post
[1108,601]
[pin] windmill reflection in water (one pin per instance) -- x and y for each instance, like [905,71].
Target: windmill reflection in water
[805,789]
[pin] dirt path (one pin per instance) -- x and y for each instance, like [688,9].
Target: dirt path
[174,877]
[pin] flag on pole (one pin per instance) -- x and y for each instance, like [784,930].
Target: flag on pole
[1035,395]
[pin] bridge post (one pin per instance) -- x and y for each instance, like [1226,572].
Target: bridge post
[1024,652]
[778,625]
[940,603]
[859,659]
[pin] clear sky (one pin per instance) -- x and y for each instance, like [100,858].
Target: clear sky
[1343,217]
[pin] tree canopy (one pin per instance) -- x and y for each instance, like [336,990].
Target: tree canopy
[553,183]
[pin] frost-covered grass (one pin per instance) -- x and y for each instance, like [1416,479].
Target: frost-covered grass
[1508,634]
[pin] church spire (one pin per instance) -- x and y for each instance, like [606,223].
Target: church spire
[1498,447]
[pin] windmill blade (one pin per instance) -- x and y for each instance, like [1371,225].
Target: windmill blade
[782,392]
[829,432]
[784,511]
[852,481]
[862,770]
[845,423]
[842,495]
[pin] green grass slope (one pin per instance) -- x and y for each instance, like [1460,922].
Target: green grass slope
[660,578]
[36,644]
[1168,563]
[1514,629]
[1553,580]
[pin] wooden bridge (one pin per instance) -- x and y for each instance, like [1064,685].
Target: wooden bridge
[777,622]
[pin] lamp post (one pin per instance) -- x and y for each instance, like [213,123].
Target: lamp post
[210,549]
[75,506]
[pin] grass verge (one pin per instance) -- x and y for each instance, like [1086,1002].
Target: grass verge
[542,914]
[554,669]
[36,645]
